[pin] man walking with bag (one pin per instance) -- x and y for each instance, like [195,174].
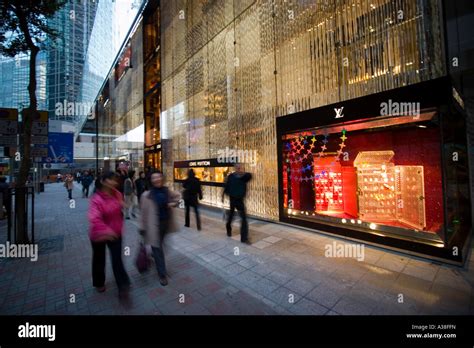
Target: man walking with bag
[236,188]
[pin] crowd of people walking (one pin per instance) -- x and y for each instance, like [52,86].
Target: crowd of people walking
[120,195]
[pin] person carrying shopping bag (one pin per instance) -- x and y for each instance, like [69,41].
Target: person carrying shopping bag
[157,219]
[106,229]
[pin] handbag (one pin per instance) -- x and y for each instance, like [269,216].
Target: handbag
[142,261]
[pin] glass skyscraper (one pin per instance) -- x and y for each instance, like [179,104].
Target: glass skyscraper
[73,67]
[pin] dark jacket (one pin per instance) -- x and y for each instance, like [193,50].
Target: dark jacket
[87,180]
[4,191]
[141,186]
[236,185]
[192,190]
[121,182]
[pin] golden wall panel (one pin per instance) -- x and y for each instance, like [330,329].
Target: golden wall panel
[230,67]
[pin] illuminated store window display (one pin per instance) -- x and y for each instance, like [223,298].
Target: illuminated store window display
[365,184]
[385,176]
[211,172]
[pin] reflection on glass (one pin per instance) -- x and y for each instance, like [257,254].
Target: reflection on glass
[388,177]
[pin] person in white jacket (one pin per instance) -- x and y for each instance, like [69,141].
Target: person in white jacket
[157,219]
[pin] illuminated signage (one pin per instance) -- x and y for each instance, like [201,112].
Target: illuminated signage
[200,164]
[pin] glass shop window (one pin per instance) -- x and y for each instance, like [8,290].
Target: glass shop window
[205,174]
[375,175]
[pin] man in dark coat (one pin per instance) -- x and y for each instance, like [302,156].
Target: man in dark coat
[141,185]
[236,188]
[192,191]
[87,180]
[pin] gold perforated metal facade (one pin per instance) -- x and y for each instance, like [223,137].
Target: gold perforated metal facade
[230,67]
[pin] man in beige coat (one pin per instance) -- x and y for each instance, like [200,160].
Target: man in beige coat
[157,219]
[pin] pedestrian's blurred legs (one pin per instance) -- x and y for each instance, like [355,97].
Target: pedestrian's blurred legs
[159,257]
[198,220]
[69,192]
[134,207]
[230,217]
[186,215]
[127,206]
[244,228]
[98,264]
[121,276]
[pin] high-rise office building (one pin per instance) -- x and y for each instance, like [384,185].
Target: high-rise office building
[71,70]
[67,55]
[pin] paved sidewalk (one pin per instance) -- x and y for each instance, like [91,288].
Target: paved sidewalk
[284,271]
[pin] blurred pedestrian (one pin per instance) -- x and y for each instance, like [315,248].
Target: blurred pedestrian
[69,185]
[192,191]
[106,229]
[78,176]
[140,185]
[5,199]
[157,219]
[122,175]
[148,172]
[236,188]
[87,180]
[129,195]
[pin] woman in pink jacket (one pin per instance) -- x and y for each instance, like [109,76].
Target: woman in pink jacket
[106,227]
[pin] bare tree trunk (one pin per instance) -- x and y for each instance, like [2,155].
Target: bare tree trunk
[28,115]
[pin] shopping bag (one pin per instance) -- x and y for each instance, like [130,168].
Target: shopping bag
[142,262]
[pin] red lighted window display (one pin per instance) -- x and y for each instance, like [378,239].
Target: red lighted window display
[328,187]
[386,176]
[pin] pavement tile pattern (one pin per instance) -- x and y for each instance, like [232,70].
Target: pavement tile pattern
[283,272]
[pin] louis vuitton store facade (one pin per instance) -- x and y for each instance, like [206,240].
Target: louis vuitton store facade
[347,105]
[390,168]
